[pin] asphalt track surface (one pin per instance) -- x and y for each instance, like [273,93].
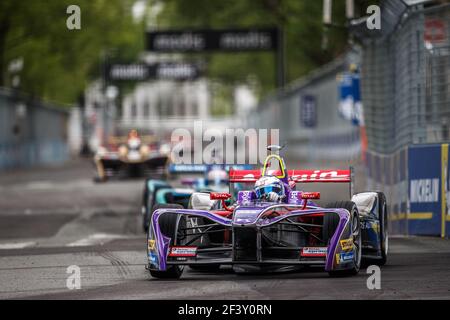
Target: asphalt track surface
[53,218]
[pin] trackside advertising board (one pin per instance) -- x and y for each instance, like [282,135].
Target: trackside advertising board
[428,190]
[229,40]
[445,215]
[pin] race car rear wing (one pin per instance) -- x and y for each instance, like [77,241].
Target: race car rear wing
[299,176]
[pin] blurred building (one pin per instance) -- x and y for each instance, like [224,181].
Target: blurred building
[161,104]
[307,114]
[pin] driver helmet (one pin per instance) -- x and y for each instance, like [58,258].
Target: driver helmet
[266,185]
[133,139]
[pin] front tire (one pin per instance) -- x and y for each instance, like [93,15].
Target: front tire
[169,224]
[331,222]
[148,215]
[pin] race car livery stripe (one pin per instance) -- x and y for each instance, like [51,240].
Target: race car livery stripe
[295,175]
[346,244]
[183,251]
[314,252]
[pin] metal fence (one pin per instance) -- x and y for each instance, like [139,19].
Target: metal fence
[406,80]
[406,97]
[31,132]
[327,136]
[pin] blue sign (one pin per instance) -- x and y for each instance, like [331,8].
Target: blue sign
[424,190]
[350,106]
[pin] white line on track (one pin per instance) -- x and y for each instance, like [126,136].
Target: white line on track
[94,239]
[16,245]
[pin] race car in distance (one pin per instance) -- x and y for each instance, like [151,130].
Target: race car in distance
[133,156]
[160,192]
[253,233]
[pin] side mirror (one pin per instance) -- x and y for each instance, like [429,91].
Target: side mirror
[310,195]
[219,196]
[222,196]
[307,196]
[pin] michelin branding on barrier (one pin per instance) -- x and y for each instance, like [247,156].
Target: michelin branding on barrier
[424,175]
[424,190]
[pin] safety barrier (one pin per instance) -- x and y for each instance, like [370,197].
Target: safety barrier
[417,186]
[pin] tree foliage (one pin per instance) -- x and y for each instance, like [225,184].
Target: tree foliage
[300,20]
[58,62]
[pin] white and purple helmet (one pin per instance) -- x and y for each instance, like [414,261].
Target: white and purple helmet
[266,185]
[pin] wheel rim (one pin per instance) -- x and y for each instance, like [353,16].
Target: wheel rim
[356,234]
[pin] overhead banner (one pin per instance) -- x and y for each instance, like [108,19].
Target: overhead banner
[177,71]
[213,40]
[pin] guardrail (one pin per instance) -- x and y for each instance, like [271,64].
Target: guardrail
[416,181]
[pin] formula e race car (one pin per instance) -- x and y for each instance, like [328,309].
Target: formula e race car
[134,156]
[254,234]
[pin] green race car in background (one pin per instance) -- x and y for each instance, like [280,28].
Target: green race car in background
[159,192]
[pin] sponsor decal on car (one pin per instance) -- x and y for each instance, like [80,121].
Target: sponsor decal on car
[151,244]
[314,252]
[367,225]
[152,258]
[376,226]
[346,244]
[183,252]
[344,257]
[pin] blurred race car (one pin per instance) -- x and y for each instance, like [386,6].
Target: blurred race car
[159,193]
[257,233]
[133,156]
[214,178]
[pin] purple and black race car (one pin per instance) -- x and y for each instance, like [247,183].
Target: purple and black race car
[254,235]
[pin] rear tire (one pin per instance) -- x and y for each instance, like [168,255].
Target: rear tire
[384,236]
[330,225]
[169,224]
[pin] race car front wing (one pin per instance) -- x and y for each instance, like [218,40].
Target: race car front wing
[248,243]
